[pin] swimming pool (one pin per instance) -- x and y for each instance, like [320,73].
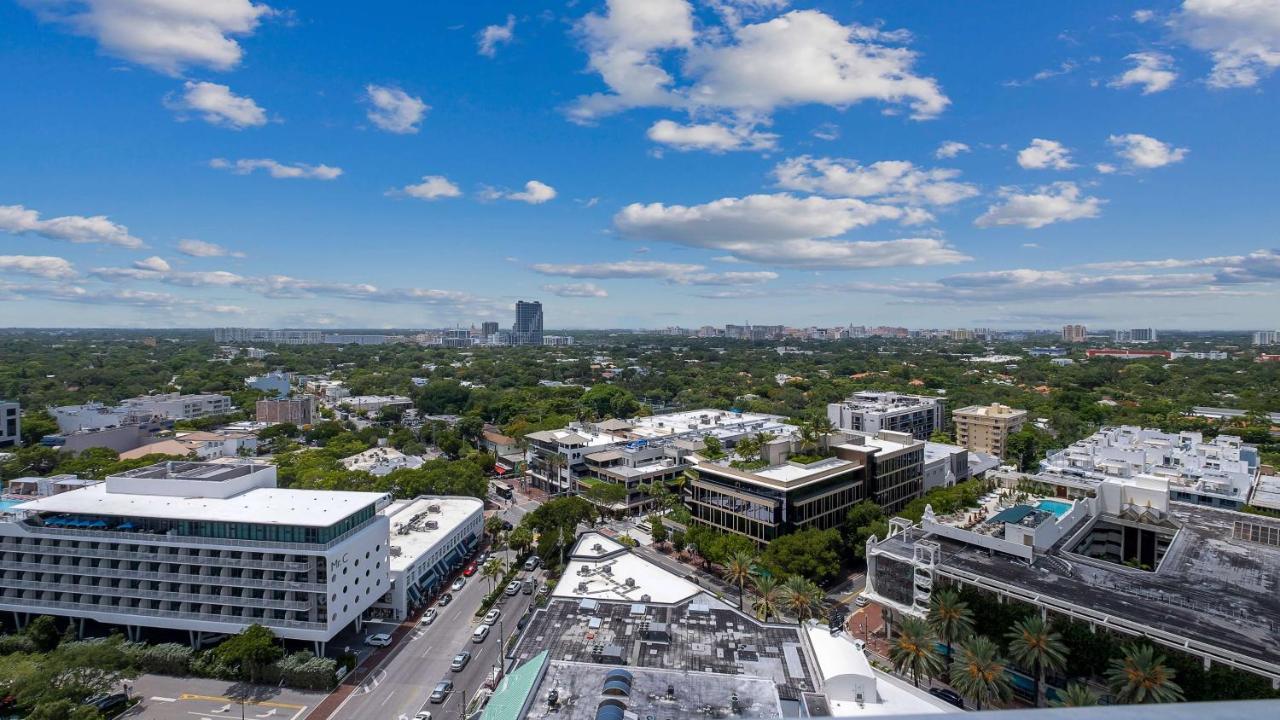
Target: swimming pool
[1057,507]
[6,504]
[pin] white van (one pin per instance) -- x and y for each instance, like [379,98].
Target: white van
[480,634]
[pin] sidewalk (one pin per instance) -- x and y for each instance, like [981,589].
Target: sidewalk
[356,678]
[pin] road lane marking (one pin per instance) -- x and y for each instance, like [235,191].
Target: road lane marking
[220,698]
[157,698]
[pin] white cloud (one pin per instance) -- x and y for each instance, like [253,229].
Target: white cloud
[535,193]
[674,273]
[1241,36]
[950,149]
[733,12]
[276,169]
[16,219]
[577,290]
[394,110]
[200,248]
[1151,70]
[826,131]
[217,105]
[1143,16]
[154,263]
[714,137]
[1105,168]
[802,57]
[784,230]
[432,187]
[1044,154]
[1059,202]
[1145,152]
[492,36]
[45,266]
[895,181]
[165,35]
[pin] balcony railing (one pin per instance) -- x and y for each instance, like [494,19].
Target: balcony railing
[87,551]
[32,605]
[126,536]
[141,594]
[192,579]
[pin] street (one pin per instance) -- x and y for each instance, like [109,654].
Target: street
[401,686]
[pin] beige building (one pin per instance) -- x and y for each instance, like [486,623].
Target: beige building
[986,428]
[299,410]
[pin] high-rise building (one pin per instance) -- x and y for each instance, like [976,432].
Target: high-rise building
[1266,337]
[10,424]
[1142,335]
[488,329]
[1073,333]
[986,428]
[528,327]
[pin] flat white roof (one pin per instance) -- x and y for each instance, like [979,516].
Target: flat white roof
[838,657]
[787,472]
[267,506]
[611,585]
[419,540]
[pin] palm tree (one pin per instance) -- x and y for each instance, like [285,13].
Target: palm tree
[1142,677]
[747,448]
[823,428]
[490,571]
[808,436]
[950,618]
[915,650]
[1076,694]
[801,597]
[768,596]
[978,672]
[737,570]
[1034,646]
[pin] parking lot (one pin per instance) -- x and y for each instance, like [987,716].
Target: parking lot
[171,698]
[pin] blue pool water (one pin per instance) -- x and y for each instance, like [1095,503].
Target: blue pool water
[6,504]
[1057,507]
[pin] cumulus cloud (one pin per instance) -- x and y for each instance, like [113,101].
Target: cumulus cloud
[277,169]
[713,137]
[1145,152]
[1242,37]
[165,35]
[1044,154]
[784,230]
[535,193]
[432,187]
[1105,168]
[895,181]
[200,248]
[674,273]
[155,263]
[801,57]
[1059,202]
[1153,71]
[217,105]
[577,290]
[45,266]
[394,110]
[18,220]
[950,149]
[488,39]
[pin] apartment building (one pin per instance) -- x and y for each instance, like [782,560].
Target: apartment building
[263,335]
[871,412]
[10,424]
[1266,337]
[1074,333]
[299,411]
[140,410]
[1218,472]
[986,428]
[209,548]
[527,329]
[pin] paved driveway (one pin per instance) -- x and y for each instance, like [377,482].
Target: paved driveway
[177,698]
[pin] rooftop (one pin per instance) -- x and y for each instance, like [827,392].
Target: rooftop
[1215,586]
[412,533]
[887,401]
[994,410]
[602,569]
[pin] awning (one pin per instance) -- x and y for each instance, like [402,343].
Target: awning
[499,469]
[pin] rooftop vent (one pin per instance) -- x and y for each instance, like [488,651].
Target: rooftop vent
[630,582]
[433,508]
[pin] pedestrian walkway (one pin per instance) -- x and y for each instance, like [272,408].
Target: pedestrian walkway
[363,672]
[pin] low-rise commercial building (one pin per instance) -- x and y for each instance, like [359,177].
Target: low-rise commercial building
[381,461]
[1127,353]
[141,409]
[430,537]
[210,548]
[986,428]
[374,403]
[298,410]
[871,412]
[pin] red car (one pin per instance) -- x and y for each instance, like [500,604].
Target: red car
[470,570]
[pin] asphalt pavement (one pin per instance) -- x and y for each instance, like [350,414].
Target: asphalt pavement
[402,685]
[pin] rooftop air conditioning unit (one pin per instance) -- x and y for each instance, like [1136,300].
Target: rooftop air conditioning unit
[631,582]
[433,525]
[582,587]
[433,508]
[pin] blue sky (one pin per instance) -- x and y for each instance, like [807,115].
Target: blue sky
[639,163]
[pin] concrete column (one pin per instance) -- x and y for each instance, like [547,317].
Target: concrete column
[80,629]
[1207,663]
[318,648]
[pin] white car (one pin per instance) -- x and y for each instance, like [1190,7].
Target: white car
[378,640]
[492,616]
[457,584]
[423,715]
[861,601]
[428,617]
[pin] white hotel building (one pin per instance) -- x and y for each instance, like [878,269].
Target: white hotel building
[209,548]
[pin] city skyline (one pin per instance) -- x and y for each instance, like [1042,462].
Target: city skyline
[640,164]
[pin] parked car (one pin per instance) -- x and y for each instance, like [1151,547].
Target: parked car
[460,660]
[491,617]
[444,599]
[458,584]
[423,715]
[480,634]
[544,589]
[513,588]
[948,695]
[527,588]
[532,563]
[443,688]
[378,640]
[111,704]
[861,601]
[429,616]
[470,570]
